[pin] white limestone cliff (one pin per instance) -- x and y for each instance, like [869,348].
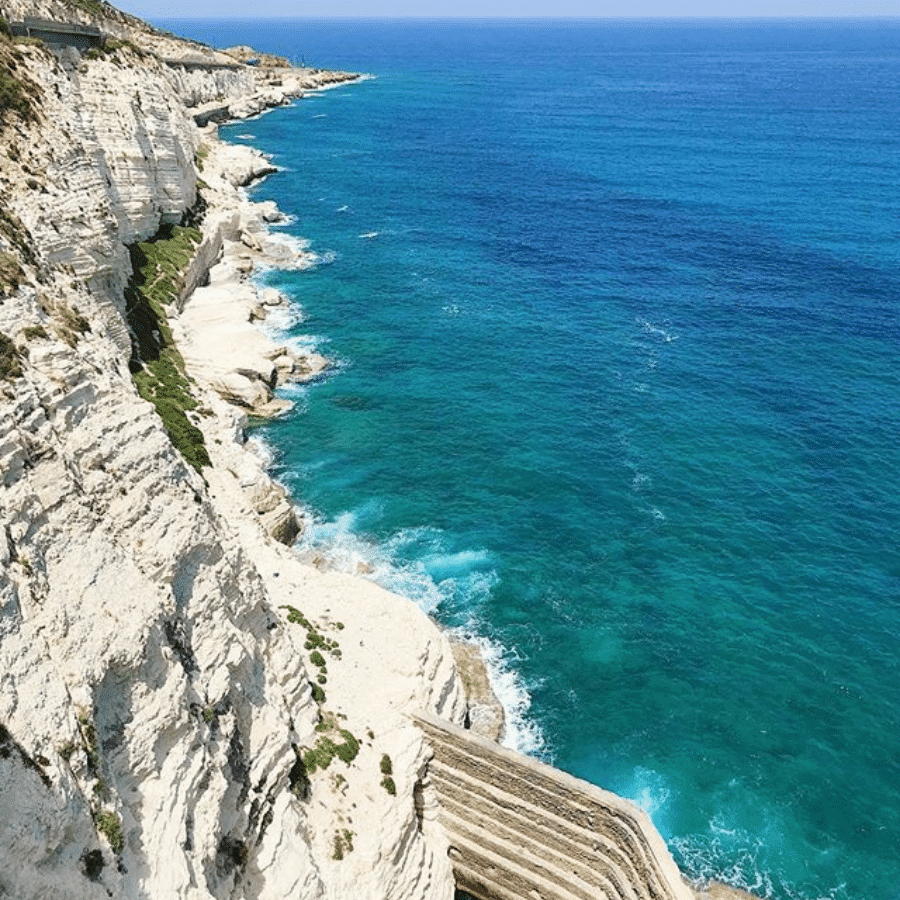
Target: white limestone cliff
[156,681]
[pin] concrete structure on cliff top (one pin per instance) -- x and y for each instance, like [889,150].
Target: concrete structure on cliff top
[522,830]
[66,34]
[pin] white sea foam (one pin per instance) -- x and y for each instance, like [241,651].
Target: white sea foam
[729,855]
[343,208]
[324,259]
[292,253]
[520,733]
[320,116]
[448,565]
[370,234]
[301,344]
[640,481]
[281,319]
[649,791]
[292,242]
[742,858]
[657,331]
[261,448]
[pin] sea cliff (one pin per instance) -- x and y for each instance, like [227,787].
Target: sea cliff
[186,710]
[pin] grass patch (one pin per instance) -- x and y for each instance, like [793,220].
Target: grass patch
[326,749]
[111,47]
[36,333]
[388,784]
[387,769]
[94,7]
[298,778]
[18,94]
[89,739]
[343,843]
[315,643]
[110,826]
[17,234]
[157,366]
[72,324]
[159,264]
[10,359]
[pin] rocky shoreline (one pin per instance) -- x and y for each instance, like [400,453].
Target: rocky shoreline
[225,349]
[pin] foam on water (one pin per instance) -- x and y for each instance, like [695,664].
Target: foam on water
[296,392]
[281,320]
[262,448]
[284,220]
[462,579]
[521,732]
[649,792]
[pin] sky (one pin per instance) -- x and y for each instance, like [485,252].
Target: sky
[300,9]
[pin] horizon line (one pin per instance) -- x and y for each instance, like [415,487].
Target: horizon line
[534,18]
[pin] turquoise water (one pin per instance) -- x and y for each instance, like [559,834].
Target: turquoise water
[615,307]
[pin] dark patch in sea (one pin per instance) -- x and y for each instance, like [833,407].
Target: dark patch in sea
[350,401]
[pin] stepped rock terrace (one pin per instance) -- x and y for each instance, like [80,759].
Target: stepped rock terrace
[520,829]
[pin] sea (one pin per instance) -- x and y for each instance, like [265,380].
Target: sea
[614,307]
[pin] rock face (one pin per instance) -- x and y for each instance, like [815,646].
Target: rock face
[164,726]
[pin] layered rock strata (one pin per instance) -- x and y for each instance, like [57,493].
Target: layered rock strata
[519,828]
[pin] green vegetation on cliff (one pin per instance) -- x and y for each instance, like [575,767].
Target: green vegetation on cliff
[18,94]
[111,47]
[10,366]
[158,269]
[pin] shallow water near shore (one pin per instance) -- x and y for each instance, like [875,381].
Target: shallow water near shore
[615,308]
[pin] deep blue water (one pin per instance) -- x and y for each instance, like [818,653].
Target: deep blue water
[617,311]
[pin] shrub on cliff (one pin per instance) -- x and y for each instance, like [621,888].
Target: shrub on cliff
[18,94]
[10,365]
[11,275]
[158,276]
[94,7]
[110,826]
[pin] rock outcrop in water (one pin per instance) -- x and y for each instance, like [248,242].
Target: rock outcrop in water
[186,710]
